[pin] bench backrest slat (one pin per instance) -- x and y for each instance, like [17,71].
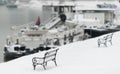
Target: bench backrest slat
[109,37]
[50,55]
[105,39]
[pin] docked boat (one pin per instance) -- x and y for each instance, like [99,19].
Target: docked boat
[2,2]
[12,4]
[79,15]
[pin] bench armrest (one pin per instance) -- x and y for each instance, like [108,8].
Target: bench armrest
[37,60]
[101,40]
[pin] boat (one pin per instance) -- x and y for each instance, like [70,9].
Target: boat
[12,4]
[2,2]
[80,16]
[96,14]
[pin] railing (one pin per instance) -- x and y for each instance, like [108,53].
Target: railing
[36,40]
[51,22]
[22,26]
[47,24]
[49,19]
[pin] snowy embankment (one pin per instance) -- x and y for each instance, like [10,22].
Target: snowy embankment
[83,57]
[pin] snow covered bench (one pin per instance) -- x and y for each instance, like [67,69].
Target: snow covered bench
[48,56]
[105,40]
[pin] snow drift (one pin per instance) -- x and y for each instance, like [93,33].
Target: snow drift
[83,57]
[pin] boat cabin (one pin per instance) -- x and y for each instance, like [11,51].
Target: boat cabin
[95,12]
[57,9]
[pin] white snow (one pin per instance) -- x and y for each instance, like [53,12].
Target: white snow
[92,5]
[83,57]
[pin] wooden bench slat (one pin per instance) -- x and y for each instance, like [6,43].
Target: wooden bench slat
[105,40]
[48,56]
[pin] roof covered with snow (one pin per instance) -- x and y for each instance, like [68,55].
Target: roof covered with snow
[87,5]
[97,5]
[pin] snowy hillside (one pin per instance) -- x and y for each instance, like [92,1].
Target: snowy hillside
[83,57]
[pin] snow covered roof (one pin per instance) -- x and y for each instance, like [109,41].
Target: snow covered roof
[88,5]
[66,3]
[59,5]
[93,5]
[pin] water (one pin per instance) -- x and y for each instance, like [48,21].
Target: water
[17,16]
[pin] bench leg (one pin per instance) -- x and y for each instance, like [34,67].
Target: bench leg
[98,45]
[34,66]
[44,67]
[111,42]
[55,62]
[46,63]
[105,44]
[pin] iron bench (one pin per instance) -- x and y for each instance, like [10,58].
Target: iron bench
[48,56]
[105,40]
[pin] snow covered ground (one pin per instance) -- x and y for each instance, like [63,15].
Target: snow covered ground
[83,57]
